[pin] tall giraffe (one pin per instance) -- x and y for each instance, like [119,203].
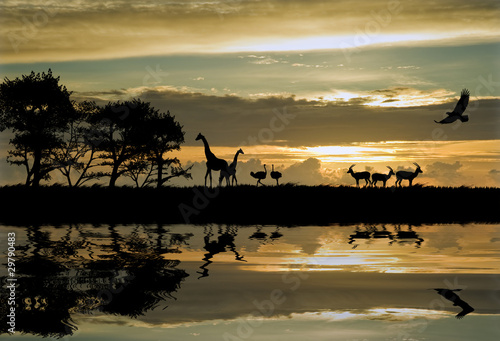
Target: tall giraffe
[213,163]
[231,170]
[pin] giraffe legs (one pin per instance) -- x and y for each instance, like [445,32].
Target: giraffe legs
[207,174]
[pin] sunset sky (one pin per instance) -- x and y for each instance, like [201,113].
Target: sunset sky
[309,86]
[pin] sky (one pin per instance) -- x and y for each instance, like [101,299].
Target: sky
[310,87]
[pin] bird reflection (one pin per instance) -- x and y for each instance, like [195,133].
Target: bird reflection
[450,295]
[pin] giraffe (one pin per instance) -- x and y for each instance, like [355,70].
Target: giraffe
[213,163]
[231,169]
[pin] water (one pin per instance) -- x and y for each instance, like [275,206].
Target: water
[219,282]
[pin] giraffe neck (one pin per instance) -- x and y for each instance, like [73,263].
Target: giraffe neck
[208,152]
[235,161]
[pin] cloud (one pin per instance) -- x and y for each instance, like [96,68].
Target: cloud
[307,172]
[442,169]
[495,175]
[43,31]
[233,120]
[447,174]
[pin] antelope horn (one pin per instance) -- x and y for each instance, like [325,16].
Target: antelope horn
[389,168]
[352,166]
[416,164]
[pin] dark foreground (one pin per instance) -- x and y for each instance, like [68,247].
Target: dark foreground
[287,204]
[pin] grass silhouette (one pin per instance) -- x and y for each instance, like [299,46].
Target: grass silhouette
[248,204]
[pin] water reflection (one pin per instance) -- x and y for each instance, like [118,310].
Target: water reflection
[91,273]
[450,295]
[264,237]
[400,236]
[76,276]
[225,240]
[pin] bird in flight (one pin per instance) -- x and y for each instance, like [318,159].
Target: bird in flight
[457,301]
[456,114]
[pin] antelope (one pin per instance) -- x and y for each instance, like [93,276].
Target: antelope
[405,175]
[359,175]
[381,177]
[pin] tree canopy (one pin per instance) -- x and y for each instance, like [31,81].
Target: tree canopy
[38,110]
[51,131]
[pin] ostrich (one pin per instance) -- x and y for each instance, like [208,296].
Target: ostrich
[260,176]
[381,177]
[405,175]
[276,176]
[456,114]
[359,175]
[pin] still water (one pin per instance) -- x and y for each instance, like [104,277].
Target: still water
[222,282]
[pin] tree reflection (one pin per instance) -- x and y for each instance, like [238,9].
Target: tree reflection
[113,273]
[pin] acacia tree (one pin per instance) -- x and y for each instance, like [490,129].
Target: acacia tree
[132,139]
[37,110]
[164,134]
[115,135]
[76,155]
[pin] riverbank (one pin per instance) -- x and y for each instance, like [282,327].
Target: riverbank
[288,204]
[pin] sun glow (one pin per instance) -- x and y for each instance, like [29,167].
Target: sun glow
[330,42]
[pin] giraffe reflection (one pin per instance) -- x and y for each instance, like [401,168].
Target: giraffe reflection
[225,241]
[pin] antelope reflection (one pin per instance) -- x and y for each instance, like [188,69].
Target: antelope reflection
[399,236]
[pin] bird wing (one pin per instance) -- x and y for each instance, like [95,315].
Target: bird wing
[462,102]
[448,119]
[466,308]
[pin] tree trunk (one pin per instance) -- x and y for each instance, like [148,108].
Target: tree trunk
[36,167]
[160,173]
[114,175]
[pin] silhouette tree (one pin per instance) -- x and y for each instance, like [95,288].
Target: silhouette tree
[134,139]
[163,134]
[77,152]
[37,109]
